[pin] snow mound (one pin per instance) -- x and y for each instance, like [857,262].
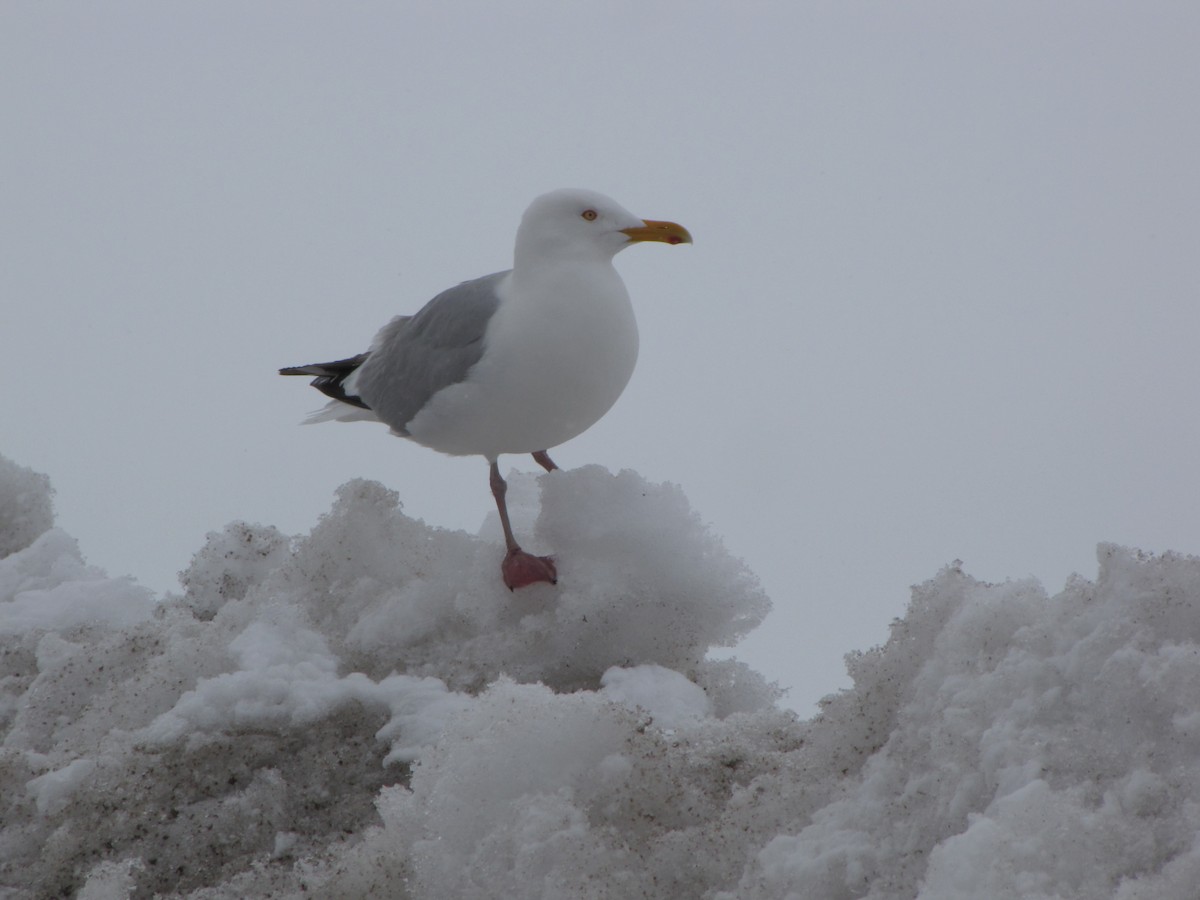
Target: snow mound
[642,581]
[26,509]
[365,711]
[1028,747]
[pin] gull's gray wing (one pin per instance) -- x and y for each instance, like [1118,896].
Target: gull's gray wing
[414,357]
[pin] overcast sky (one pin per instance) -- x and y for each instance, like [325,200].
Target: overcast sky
[942,301]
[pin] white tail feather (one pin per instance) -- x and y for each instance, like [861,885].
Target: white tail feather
[337,411]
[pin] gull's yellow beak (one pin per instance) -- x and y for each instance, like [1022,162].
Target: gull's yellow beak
[666,232]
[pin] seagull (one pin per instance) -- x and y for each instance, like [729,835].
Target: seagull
[518,361]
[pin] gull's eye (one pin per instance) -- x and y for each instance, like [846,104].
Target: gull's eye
[589,214]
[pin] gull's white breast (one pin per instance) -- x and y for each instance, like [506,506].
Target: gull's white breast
[558,353]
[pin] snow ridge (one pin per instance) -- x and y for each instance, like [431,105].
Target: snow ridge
[365,711]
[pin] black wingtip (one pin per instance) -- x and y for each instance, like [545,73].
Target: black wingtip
[330,376]
[339,368]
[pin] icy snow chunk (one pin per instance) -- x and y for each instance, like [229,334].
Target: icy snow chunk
[230,563]
[733,687]
[112,880]
[642,580]
[26,509]
[285,842]
[53,791]
[286,677]
[47,586]
[669,698]
[494,806]
[533,793]
[1035,843]
[421,710]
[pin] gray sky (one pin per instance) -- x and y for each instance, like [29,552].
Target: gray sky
[942,301]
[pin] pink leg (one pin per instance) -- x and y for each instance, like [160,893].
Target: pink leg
[519,568]
[542,458]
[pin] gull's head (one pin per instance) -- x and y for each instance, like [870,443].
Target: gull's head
[574,223]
